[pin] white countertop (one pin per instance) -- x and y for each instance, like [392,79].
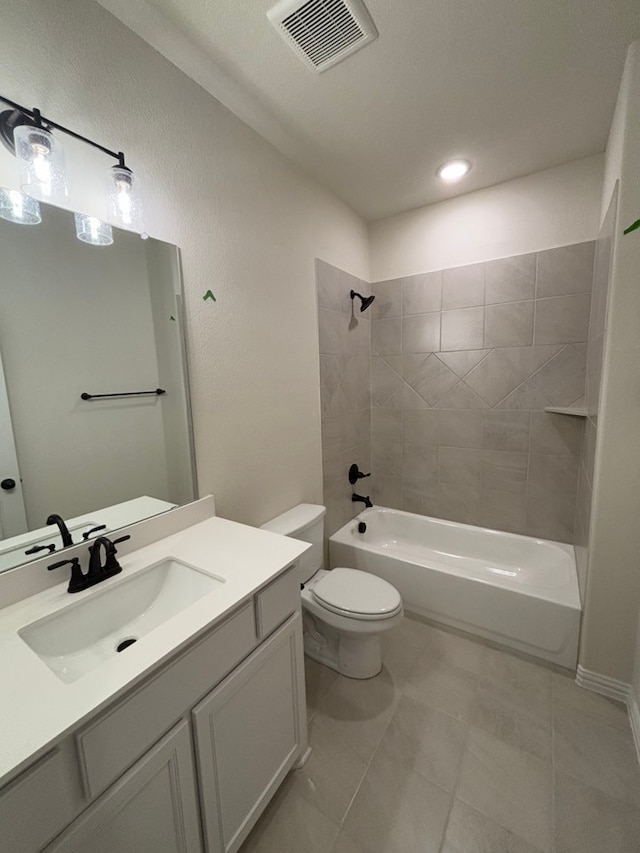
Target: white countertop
[37,708]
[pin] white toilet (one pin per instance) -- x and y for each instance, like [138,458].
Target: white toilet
[344,610]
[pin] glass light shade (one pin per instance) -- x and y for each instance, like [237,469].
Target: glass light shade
[41,163]
[123,198]
[93,231]
[20,208]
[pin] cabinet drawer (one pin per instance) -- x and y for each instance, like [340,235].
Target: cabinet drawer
[276,602]
[115,740]
[37,805]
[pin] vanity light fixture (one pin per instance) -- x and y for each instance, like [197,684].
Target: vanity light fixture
[28,135]
[453,170]
[18,207]
[93,231]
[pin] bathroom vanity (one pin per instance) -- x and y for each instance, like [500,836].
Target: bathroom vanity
[177,743]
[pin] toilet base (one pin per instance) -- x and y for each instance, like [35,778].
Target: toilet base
[352,655]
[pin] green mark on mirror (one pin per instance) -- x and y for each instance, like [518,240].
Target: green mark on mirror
[633,227]
[209,295]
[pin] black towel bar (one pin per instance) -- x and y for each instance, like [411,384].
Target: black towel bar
[157,393]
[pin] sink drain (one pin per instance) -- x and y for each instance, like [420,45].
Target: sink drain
[124,644]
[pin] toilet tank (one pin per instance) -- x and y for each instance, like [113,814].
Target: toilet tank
[304,522]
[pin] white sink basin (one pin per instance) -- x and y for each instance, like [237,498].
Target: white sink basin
[74,641]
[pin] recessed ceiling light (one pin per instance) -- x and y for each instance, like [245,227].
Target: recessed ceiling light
[453,170]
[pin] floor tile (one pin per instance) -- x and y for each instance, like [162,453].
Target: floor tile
[444,687]
[508,785]
[396,811]
[331,776]
[568,695]
[524,683]
[318,680]
[345,845]
[427,741]
[290,825]
[447,647]
[469,831]
[597,755]
[497,713]
[402,645]
[358,712]
[587,821]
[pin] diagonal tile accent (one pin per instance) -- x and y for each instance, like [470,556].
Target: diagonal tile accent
[432,380]
[562,378]
[462,362]
[461,397]
[526,397]
[384,381]
[504,369]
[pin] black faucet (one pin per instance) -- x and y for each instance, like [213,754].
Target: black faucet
[365,501]
[62,527]
[98,571]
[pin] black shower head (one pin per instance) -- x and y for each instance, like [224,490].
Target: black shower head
[365,300]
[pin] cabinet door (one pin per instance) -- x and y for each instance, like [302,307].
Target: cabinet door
[153,807]
[248,735]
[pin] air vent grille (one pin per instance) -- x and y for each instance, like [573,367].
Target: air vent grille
[323,32]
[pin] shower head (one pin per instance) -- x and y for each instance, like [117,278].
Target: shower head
[365,300]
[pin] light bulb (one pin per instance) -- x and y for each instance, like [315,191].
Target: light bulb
[453,170]
[94,231]
[41,163]
[123,198]
[19,208]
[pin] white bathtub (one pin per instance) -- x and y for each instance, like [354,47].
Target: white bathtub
[511,589]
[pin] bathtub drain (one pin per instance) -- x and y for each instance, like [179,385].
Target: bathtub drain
[124,644]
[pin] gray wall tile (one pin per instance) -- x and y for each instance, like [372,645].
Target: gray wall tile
[554,475]
[568,269]
[386,337]
[557,435]
[503,430]
[509,324]
[421,333]
[463,329]
[432,380]
[460,428]
[419,465]
[388,301]
[562,319]
[422,294]
[504,470]
[460,466]
[510,279]
[420,426]
[463,287]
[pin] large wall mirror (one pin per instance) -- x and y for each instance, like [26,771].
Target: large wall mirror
[82,319]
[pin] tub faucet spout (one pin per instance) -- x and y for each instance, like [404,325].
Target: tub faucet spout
[365,501]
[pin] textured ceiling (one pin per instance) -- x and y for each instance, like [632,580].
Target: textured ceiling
[515,86]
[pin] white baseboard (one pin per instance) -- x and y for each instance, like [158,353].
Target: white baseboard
[634,719]
[604,685]
[613,689]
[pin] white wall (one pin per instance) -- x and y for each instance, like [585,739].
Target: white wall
[249,226]
[556,207]
[613,586]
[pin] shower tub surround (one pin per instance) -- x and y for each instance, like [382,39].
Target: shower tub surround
[514,590]
[345,362]
[464,363]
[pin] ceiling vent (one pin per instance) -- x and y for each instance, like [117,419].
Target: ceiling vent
[323,32]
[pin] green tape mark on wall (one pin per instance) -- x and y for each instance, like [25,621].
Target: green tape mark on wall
[172,318]
[209,295]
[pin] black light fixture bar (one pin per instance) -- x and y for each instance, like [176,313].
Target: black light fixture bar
[41,120]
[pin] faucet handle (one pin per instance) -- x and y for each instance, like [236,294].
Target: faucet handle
[356,474]
[78,581]
[88,533]
[50,548]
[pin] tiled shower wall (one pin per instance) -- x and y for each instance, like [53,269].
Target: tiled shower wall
[595,349]
[345,397]
[464,362]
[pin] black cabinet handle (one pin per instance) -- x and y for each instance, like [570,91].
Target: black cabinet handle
[8,484]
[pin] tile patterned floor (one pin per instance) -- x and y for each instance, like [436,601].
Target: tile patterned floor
[456,748]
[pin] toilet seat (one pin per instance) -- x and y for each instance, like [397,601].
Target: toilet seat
[357,595]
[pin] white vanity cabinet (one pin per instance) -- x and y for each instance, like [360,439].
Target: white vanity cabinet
[153,807]
[188,759]
[247,737]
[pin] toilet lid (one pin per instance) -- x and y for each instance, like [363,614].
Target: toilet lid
[357,592]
